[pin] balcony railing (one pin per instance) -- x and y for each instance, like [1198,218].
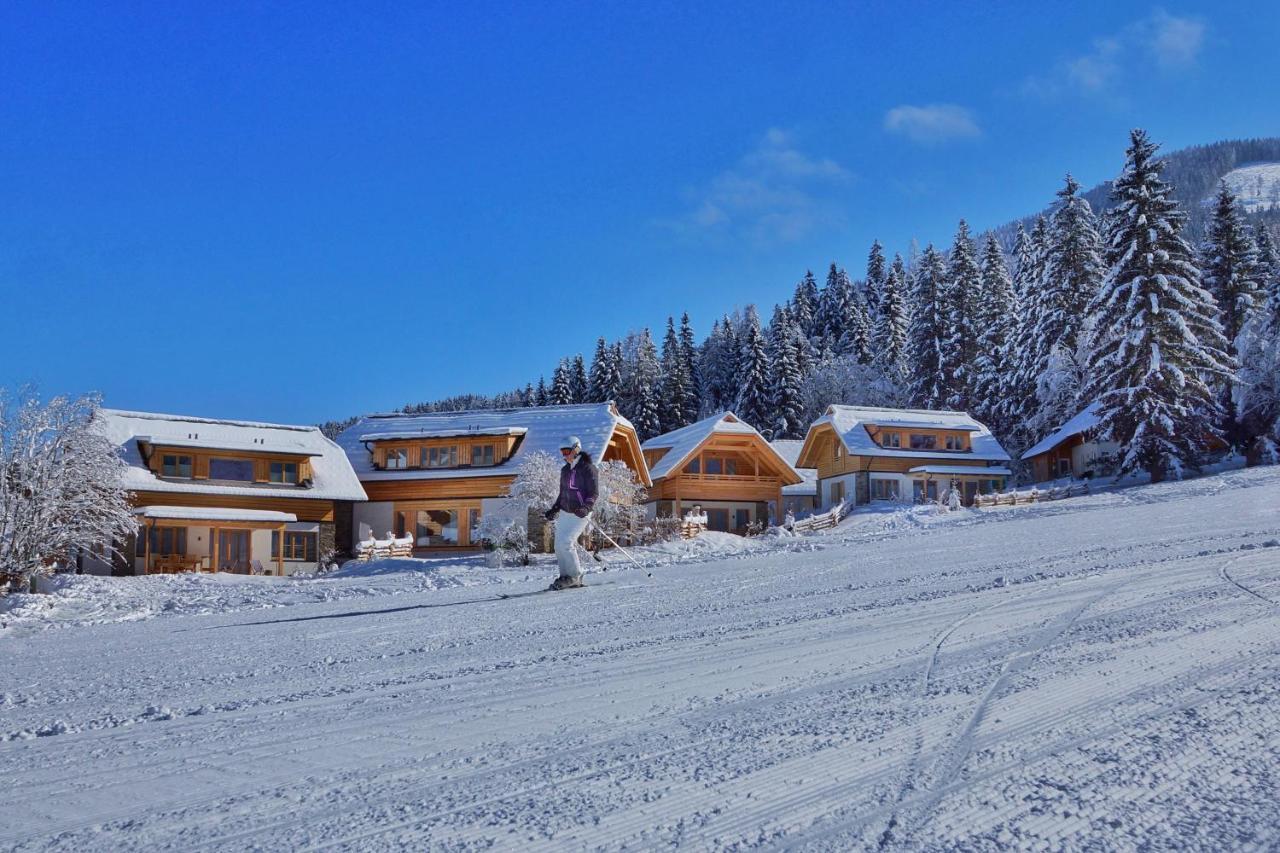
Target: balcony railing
[728,478]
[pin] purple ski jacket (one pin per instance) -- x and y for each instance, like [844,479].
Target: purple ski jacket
[577,486]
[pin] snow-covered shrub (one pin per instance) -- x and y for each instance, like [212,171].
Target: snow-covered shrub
[61,485]
[505,527]
[617,510]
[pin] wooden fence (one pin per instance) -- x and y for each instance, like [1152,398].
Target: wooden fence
[824,521]
[1033,495]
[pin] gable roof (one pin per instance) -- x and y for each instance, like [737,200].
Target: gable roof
[682,443]
[538,428]
[332,477]
[850,424]
[1084,421]
[789,449]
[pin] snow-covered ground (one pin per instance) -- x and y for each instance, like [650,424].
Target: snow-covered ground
[1096,672]
[1256,185]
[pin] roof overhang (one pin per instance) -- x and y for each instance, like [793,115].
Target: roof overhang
[959,470]
[204,513]
[495,432]
[224,446]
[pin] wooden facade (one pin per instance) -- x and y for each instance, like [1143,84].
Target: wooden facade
[725,467]
[197,461]
[453,495]
[824,451]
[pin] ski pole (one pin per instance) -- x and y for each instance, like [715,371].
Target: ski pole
[609,539]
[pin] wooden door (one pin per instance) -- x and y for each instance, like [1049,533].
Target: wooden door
[233,551]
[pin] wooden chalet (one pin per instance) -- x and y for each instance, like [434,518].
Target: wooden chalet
[721,464]
[864,454]
[234,496]
[1070,451]
[433,476]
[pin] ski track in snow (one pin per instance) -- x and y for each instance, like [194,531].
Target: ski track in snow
[1099,672]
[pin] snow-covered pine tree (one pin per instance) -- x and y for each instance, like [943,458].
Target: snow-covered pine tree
[855,340]
[1072,272]
[753,403]
[526,396]
[804,305]
[720,367]
[785,380]
[926,333]
[960,299]
[606,379]
[579,388]
[996,316]
[1268,268]
[541,397]
[691,407]
[617,368]
[832,310]
[877,273]
[1023,360]
[675,381]
[889,339]
[561,392]
[1157,344]
[644,389]
[1229,263]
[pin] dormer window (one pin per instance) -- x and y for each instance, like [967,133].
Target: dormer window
[284,472]
[482,455]
[397,459]
[923,442]
[174,465]
[440,457]
[955,442]
[238,470]
[891,439]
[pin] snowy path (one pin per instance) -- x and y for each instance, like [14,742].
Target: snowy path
[1101,671]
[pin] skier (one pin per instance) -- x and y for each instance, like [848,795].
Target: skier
[577,497]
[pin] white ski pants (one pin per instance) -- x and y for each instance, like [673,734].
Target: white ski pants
[568,528]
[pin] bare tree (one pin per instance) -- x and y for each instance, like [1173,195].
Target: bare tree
[62,485]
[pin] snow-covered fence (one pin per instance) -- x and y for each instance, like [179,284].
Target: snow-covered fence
[823,521]
[1033,495]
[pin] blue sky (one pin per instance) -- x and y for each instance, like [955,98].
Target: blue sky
[292,213]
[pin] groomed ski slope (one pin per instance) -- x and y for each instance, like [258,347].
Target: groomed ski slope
[1099,672]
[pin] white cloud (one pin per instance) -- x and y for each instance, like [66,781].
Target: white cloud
[774,193]
[1173,43]
[932,123]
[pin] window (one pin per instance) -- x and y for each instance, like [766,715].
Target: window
[440,457]
[240,470]
[398,458]
[718,519]
[891,439]
[741,519]
[481,455]
[1064,466]
[927,491]
[298,545]
[955,442]
[284,472]
[437,527]
[473,525]
[838,451]
[715,466]
[176,466]
[167,541]
[140,543]
[837,492]
[884,490]
[923,442]
[694,466]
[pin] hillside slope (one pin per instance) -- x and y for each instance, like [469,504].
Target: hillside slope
[1096,672]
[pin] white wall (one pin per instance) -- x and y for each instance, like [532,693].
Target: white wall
[850,489]
[372,518]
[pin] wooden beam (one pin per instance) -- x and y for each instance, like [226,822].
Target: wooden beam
[280,550]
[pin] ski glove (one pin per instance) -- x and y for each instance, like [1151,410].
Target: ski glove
[581,512]
[550,514]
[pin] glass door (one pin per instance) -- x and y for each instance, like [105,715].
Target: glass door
[233,551]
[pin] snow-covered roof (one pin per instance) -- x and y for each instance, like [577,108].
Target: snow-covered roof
[207,513]
[789,449]
[1082,422]
[972,470]
[444,433]
[681,443]
[332,477]
[542,429]
[851,422]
